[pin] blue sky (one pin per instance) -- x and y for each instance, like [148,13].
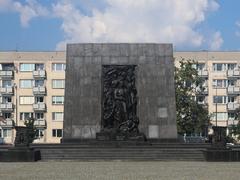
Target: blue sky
[46,25]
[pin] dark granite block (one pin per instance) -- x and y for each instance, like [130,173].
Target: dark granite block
[154,84]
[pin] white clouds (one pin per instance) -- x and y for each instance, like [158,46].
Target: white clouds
[216,41]
[162,21]
[27,12]
[5,5]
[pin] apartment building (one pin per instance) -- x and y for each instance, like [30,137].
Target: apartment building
[221,73]
[32,85]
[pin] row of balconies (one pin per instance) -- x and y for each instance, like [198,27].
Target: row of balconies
[10,123]
[229,73]
[9,74]
[8,107]
[233,90]
[10,90]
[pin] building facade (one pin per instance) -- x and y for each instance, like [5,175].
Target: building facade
[32,85]
[221,73]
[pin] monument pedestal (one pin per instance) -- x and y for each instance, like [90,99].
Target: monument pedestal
[115,135]
[20,154]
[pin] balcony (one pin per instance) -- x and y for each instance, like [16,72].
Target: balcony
[203,73]
[6,90]
[40,123]
[6,107]
[39,74]
[233,73]
[232,106]
[8,74]
[233,90]
[39,106]
[39,90]
[6,122]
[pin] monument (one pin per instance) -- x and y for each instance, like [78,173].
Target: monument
[119,92]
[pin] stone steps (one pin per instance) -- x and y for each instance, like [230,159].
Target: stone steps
[116,151]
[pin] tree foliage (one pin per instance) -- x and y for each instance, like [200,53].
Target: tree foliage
[191,116]
[32,130]
[235,129]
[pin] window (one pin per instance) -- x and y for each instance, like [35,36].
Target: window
[26,83]
[39,67]
[232,99]
[39,99]
[6,99]
[200,66]
[57,133]
[58,83]
[39,115]
[39,83]
[25,115]
[224,67]
[232,116]
[27,67]
[57,99]
[218,67]
[7,133]
[232,82]
[39,133]
[58,67]
[7,115]
[57,116]
[220,99]
[231,66]
[220,116]
[6,83]
[7,67]
[31,67]
[220,83]
[26,99]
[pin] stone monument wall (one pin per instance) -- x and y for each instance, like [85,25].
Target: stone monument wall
[154,83]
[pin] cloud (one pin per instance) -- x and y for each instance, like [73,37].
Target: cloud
[161,21]
[5,5]
[216,41]
[28,10]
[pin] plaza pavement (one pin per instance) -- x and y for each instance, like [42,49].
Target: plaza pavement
[122,170]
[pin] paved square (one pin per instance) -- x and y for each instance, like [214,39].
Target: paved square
[111,170]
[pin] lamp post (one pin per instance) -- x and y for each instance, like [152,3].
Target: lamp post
[216,105]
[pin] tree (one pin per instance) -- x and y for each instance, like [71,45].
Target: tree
[191,116]
[235,129]
[32,130]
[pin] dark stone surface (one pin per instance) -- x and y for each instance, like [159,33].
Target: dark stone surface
[22,137]
[20,154]
[219,138]
[212,154]
[154,67]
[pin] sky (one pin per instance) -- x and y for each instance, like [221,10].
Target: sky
[191,25]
